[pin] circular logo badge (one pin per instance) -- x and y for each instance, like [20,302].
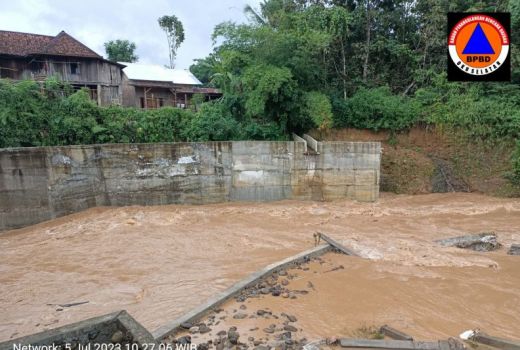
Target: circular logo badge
[478,44]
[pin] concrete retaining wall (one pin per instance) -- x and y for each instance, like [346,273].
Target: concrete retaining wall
[38,184]
[118,328]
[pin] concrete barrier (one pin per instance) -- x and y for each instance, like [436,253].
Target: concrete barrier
[42,183]
[115,328]
[312,143]
[297,138]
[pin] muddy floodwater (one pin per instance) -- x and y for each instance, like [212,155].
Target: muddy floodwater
[159,262]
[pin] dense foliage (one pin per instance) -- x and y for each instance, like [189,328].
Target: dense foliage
[121,51]
[51,114]
[378,64]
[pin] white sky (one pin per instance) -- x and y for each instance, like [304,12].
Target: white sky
[94,22]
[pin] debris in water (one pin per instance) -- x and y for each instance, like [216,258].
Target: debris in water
[482,242]
[466,335]
[69,305]
[514,250]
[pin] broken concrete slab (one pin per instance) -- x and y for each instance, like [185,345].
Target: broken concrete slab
[394,333]
[514,249]
[504,344]
[115,328]
[337,245]
[482,242]
[451,344]
[392,344]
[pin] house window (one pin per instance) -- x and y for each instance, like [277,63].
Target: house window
[36,67]
[161,102]
[74,68]
[7,72]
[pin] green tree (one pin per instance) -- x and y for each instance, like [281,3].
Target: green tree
[204,69]
[121,51]
[174,30]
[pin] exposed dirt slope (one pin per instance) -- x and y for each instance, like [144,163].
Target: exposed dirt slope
[426,160]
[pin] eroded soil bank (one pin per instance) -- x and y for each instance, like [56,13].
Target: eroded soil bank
[426,159]
[160,262]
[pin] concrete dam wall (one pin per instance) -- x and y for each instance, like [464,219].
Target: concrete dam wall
[38,184]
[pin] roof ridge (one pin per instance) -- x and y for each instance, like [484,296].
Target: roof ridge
[16,32]
[63,34]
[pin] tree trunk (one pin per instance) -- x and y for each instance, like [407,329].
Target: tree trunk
[367,45]
[343,55]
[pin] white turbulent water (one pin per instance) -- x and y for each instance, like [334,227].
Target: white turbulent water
[159,262]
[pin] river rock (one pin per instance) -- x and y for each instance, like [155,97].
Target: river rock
[186,325]
[290,328]
[264,290]
[194,329]
[184,340]
[262,347]
[203,346]
[222,333]
[204,329]
[242,307]
[233,337]
[291,318]
[269,330]
[286,335]
[276,293]
[117,337]
[285,282]
[240,316]
[282,273]
[514,250]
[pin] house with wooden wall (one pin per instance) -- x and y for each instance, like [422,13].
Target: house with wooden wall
[154,86]
[37,57]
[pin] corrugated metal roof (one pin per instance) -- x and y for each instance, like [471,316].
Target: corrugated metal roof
[153,72]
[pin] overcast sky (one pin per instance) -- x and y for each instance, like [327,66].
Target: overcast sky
[94,22]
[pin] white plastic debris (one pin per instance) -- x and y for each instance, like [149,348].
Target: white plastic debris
[466,335]
[314,345]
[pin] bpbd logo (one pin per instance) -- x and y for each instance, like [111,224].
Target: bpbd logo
[478,47]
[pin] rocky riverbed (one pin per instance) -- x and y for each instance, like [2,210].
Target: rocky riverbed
[258,328]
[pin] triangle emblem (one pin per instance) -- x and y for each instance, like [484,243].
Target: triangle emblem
[478,43]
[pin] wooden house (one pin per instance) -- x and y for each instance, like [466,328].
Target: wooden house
[37,57]
[154,86]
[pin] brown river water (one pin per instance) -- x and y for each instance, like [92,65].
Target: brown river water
[159,262]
